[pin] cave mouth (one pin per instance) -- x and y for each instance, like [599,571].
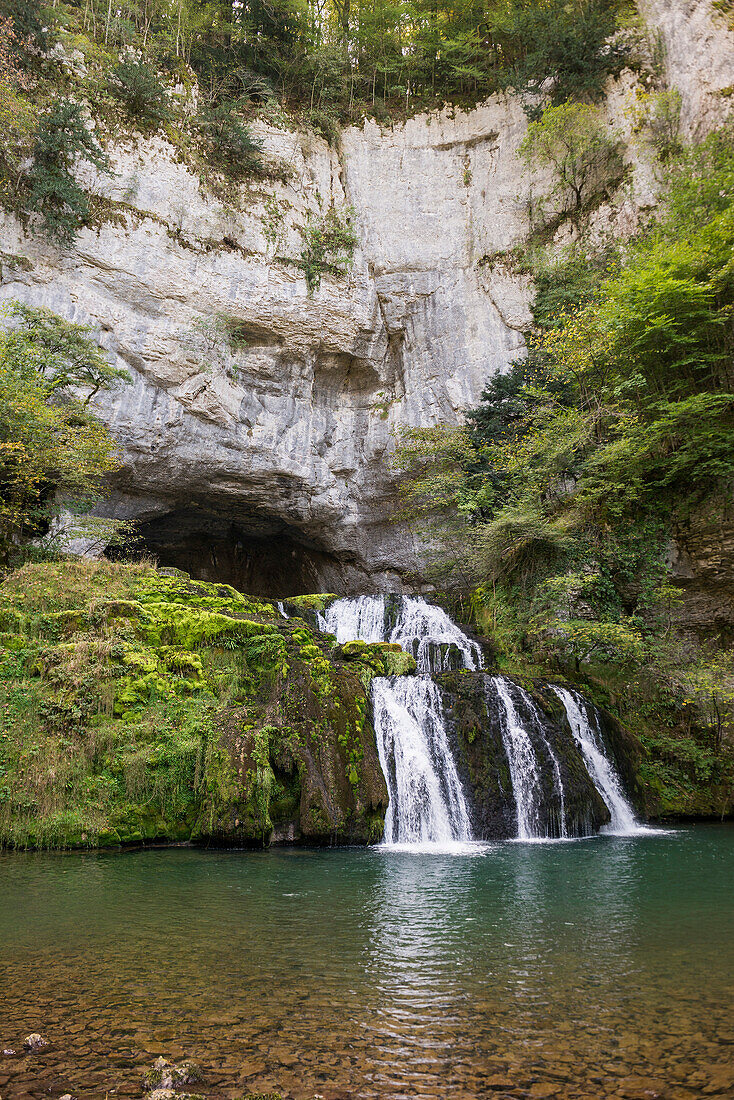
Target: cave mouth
[260,556]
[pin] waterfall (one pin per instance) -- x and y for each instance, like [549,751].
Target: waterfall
[426,801]
[523,761]
[361,618]
[599,766]
[422,629]
[427,804]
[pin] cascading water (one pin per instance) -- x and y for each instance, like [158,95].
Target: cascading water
[525,771]
[599,766]
[523,763]
[427,803]
[422,629]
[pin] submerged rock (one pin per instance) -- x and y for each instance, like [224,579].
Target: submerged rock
[170,1094]
[169,1075]
[35,1042]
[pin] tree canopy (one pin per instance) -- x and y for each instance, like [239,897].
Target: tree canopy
[51,446]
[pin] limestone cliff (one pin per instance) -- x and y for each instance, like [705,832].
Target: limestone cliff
[257,430]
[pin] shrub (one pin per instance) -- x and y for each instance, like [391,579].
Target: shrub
[51,190]
[137,86]
[231,145]
[329,241]
[573,139]
[326,123]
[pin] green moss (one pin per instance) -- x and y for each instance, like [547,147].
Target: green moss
[318,602]
[137,706]
[372,659]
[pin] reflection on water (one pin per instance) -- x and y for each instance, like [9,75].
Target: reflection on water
[584,970]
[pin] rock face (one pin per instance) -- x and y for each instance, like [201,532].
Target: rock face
[698,45]
[257,431]
[702,567]
[475,721]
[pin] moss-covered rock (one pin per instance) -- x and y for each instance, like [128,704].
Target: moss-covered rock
[141,705]
[370,659]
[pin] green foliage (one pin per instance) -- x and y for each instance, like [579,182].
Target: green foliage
[385,58]
[573,140]
[329,240]
[136,705]
[49,189]
[17,116]
[137,85]
[230,144]
[51,447]
[66,355]
[659,115]
[573,44]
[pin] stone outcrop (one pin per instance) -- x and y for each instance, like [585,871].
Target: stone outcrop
[697,42]
[257,430]
[482,760]
[258,424]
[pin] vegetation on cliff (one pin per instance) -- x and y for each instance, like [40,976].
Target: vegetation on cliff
[562,496]
[75,74]
[140,706]
[53,451]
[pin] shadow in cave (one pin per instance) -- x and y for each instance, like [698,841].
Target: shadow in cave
[256,555]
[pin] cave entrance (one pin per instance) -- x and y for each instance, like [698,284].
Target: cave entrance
[262,557]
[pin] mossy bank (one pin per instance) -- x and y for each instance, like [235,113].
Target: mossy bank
[139,705]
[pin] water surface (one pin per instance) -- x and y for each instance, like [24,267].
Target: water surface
[588,969]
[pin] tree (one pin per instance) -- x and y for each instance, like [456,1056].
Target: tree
[137,86]
[570,44]
[51,446]
[232,146]
[62,138]
[573,140]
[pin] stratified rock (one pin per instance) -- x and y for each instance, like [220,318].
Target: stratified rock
[257,434]
[35,1042]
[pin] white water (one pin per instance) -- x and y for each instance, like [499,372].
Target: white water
[524,768]
[523,763]
[427,804]
[599,766]
[427,807]
[420,628]
[361,618]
